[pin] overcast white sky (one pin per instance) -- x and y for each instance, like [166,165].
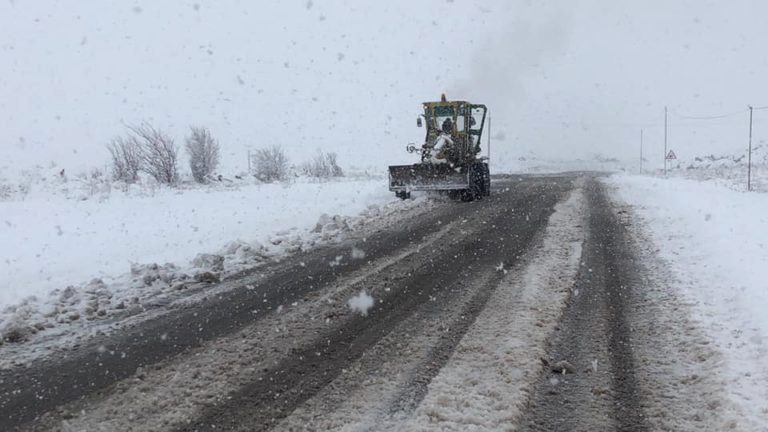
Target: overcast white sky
[563,79]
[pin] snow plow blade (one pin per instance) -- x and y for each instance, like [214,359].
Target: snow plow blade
[427,177]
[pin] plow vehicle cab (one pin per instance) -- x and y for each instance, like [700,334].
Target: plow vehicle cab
[450,155]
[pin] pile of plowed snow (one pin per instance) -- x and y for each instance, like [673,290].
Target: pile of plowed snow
[70,263]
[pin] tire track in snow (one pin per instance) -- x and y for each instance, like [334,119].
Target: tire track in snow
[209,372]
[482,376]
[505,236]
[601,390]
[678,365]
[160,394]
[28,391]
[486,384]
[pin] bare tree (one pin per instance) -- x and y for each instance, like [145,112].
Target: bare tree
[159,154]
[323,165]
[126,158]
[203,153]
[271,164]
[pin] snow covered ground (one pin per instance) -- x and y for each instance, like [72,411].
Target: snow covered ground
[77,260]
[532,163]
[726,169]
[715,241]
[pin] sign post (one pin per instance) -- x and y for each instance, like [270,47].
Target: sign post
[641,151]
[665,141]
[749,164]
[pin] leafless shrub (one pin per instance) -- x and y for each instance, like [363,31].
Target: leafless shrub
[159,154]
[94,182]
[203,153]
[97,182]
[323,165]
[126,158]
[271,164]
[6,191]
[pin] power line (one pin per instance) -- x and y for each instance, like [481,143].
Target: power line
[714,117]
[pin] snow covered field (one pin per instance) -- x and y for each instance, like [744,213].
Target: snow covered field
[715,241]
[726,169]
[134,246]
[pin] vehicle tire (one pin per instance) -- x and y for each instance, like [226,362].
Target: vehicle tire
[486,179]
[403,195]
[474,192]
[482,178]
[476,184]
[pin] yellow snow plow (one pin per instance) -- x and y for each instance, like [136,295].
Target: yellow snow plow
[450,155]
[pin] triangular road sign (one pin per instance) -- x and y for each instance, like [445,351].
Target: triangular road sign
[671,155]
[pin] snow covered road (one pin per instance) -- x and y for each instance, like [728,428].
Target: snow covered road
[279,339]
[539,308]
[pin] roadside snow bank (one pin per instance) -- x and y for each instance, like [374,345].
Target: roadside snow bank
[53,245]
[715,241]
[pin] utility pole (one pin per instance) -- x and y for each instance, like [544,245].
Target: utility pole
[489,141]
[749,158]
[641,151]
[665,141]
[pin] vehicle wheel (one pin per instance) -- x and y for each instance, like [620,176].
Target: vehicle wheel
[476,185]
[486,180]
[472,193]
[403,195]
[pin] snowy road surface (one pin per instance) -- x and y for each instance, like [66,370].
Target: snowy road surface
[532,309]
